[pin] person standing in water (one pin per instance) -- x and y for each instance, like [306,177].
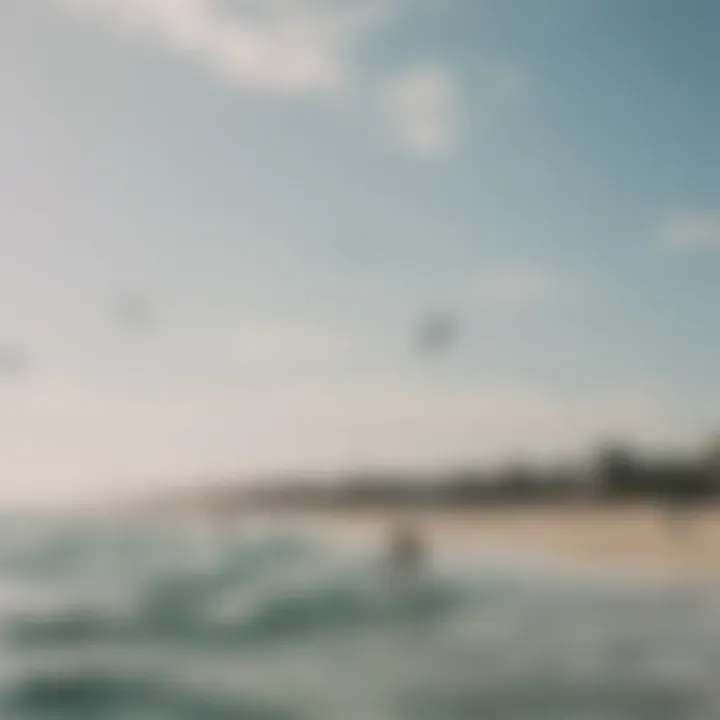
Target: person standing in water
[407,552]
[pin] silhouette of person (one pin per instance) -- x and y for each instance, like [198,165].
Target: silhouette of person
[406,553]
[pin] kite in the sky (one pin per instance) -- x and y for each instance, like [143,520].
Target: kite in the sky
[437,332]
[133,312]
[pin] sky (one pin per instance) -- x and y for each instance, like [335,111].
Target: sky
[222,222]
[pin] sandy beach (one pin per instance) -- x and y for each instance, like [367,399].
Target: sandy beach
[634,540]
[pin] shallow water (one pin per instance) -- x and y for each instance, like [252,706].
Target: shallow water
[159,624]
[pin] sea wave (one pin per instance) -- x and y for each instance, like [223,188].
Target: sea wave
[122,623]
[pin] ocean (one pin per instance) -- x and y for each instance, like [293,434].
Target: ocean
[171,623]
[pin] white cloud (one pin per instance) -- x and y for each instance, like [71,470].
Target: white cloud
[425,105]
[308,47]
[690,232]
[284,46]
[512,287]
[423,108]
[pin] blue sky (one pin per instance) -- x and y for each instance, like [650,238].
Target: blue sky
[291,184]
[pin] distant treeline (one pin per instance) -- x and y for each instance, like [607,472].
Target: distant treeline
[616,474]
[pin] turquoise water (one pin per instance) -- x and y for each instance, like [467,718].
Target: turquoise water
[151,624]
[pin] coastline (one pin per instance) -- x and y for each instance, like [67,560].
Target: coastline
[628,541]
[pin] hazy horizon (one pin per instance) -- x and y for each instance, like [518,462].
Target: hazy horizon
[224,223]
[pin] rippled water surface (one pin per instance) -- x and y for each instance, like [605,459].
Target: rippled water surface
[151,624]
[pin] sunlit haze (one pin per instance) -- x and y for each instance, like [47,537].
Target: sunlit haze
[224,225]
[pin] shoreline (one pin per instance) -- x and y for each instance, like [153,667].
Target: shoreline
[634,542]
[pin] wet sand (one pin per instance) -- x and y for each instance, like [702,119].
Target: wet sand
[638,540]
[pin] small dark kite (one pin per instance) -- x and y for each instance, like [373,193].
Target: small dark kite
[437,332]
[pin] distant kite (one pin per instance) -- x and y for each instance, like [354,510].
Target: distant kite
[437,332]
[133,312]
